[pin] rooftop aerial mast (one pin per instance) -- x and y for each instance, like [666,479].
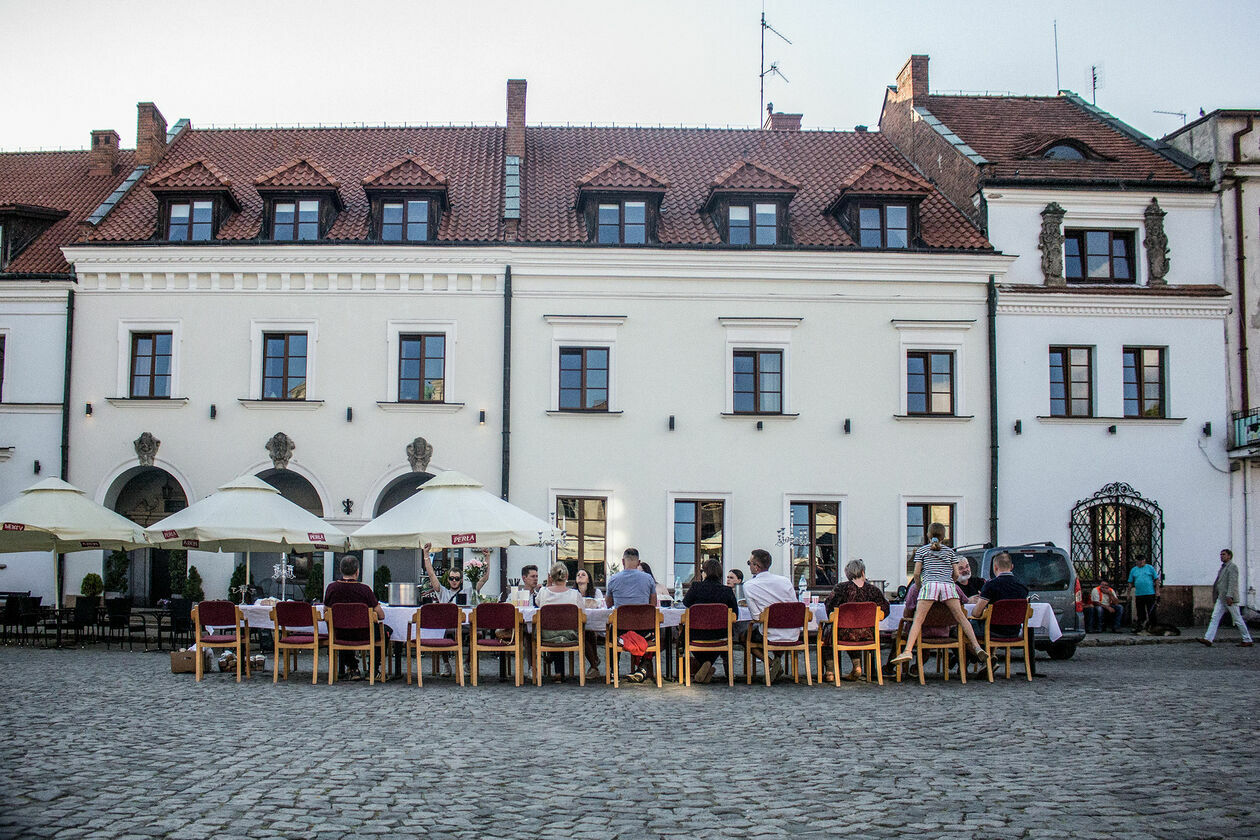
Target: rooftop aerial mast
[774,65]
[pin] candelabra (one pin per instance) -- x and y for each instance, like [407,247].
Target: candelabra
[282,572]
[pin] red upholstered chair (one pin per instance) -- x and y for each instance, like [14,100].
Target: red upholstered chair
[358,619]
[560,617]
[786,615]
[496,618]
[643,619]
[707,617]
[857,616]
[954,641]
[296,626]
[1013,612]
[442,617]
[220,624]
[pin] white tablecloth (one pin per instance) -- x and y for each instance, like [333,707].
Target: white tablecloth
[1043,619]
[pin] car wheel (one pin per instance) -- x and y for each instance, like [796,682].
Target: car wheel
[1062,650]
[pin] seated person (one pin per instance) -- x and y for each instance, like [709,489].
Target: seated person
[970,584]
[1004,586]
[853,591]
[632,586]
[456,591]
[1105,608]
[710,590]
[348,590]
[760,591]
[663,596]
[592,597]
[557,591]
[735,580]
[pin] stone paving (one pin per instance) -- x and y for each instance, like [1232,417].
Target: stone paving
[1146,741]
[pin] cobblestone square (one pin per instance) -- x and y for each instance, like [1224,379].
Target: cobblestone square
[1145,741]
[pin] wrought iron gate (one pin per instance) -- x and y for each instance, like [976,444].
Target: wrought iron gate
[1111,530]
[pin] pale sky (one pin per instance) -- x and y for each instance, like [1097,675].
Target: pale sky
[76,65]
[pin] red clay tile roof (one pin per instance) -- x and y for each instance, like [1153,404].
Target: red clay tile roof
[682,161]
[409,171]
[299,173]
[59,180]
[746,175]
[1008,130]
[195,174]
[877,178]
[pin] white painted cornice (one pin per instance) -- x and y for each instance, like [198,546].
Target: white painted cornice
[1083,201]
[1111,307]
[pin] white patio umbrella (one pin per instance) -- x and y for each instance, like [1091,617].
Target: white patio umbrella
[59,517]
[246,514]
[451,510]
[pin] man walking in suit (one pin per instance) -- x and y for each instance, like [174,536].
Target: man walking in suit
[1225,591]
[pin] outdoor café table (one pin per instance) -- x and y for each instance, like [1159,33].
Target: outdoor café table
[1043,618]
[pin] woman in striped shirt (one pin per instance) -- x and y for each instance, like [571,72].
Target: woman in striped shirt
[934,569]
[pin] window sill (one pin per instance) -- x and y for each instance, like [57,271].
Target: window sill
[742,415]
[422,407]
[148,402]
[1108,421]
[569,412]
[937,418]
[292,405]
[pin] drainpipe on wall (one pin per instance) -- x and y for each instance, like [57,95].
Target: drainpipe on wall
[65,431]
[507,409]
[993,413]
[1240,261]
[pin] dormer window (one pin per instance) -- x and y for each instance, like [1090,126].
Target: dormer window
[295,220]
[194,197]
[752,224]
[622,223]
[405,221]
[302,198]
[620,203]
[190,221]
[1063,151]
[408,197]
[748,204]
[1098,256]
[883,225]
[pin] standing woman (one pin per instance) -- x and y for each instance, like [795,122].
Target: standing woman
[934,569]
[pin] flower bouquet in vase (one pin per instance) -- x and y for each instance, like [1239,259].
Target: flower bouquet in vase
[475,568]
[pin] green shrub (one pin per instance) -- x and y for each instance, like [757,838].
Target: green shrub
[177,567]
[314,590]
[92,585]
[237,581]
[381,578]
[116,567]
[193,590]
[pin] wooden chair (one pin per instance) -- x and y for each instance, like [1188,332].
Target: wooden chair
[230,630]
[356,618]
[560,617]
[444,618]
[1010,613]
[786,615]
[707,617]
[643,619]
[296,626]
[496,617]
[955,641]
[857,616]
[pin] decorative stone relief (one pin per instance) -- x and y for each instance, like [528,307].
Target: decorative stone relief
[146,448]
[1156,243]
[1051,244]
[280,447]
[419,453]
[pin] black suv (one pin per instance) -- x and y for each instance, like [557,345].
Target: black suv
[1047,572]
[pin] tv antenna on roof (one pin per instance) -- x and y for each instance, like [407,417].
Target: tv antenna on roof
[1096,80]
[774,65]
[1181,114]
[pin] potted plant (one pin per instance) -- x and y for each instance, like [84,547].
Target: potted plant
[314,590]
[193,590]
[92,586]
[117,566]
[380,580]
[177,567]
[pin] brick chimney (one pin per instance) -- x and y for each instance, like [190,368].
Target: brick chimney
[103,156]
[515,118]
[150,134]
[781,122]
[912,82]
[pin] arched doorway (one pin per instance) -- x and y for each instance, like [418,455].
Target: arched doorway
[297,489]
[404,564]
[1111,530]
[146,495]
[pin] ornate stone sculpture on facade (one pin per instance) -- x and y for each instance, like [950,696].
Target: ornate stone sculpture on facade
[419,452]
[1156,243]
[280,448]
[146,448]
[1051,244]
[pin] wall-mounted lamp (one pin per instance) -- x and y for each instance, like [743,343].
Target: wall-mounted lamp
[1111,430]
[848,426]
[1207,429]
[347,505]
[349,414]
[87,409]
[1019,427]
[760,425]
[481,417]
[671,422]
[37,468]
[214,411]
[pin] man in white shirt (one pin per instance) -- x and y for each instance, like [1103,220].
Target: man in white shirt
[761,589]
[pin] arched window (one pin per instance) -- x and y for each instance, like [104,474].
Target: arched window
[1063,151]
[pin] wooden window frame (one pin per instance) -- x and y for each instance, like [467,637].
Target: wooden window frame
[323,217]
[1063,353]
[927,355]
[598,572]
[757,391]
[424,339]
[1139,367]
[1081,237]
[284,378]
[912,223]
[153,356]
[723,220]
[651,211]
[167,216]
[927,520]
[697,536]
[378,216]
[583,389]
[812,537]
[3,341]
